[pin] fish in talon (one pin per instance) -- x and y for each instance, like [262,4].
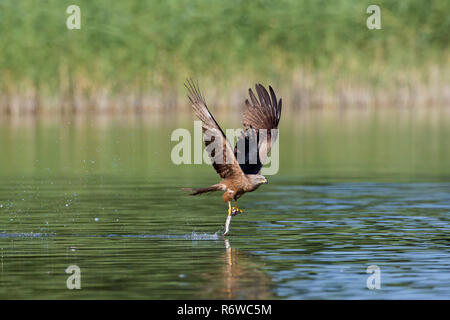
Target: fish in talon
[227,224]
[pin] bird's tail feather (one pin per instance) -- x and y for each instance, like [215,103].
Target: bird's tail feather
[195,192]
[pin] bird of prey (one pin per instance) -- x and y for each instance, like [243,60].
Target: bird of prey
[239,168]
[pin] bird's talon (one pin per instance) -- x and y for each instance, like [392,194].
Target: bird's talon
[235,211]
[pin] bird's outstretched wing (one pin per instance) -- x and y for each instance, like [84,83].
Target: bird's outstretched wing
[225,164]
[262,113]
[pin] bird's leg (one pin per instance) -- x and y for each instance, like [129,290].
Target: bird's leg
[230,210]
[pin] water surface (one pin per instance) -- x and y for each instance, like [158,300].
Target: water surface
[353,190]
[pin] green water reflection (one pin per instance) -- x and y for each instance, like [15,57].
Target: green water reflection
[354,189]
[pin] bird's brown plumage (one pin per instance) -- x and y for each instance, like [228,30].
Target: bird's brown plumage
[260,114]
[259,118]
[228,165]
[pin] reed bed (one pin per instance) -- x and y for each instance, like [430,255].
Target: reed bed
[134,56]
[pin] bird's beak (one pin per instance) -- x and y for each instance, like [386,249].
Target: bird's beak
[265,181]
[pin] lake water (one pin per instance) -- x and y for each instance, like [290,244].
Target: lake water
[354,189]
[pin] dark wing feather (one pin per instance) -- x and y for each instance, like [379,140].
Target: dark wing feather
[263,112]
[223,167]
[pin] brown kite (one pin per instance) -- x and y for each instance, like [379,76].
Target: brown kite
[261,115]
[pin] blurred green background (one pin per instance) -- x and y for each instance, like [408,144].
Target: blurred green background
[135,55]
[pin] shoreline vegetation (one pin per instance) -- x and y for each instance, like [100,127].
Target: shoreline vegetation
[133,57]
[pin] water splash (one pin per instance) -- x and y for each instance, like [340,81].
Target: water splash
[6,235]
[193,236]
[206,236]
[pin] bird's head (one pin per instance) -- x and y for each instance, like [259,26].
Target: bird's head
[258,179]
